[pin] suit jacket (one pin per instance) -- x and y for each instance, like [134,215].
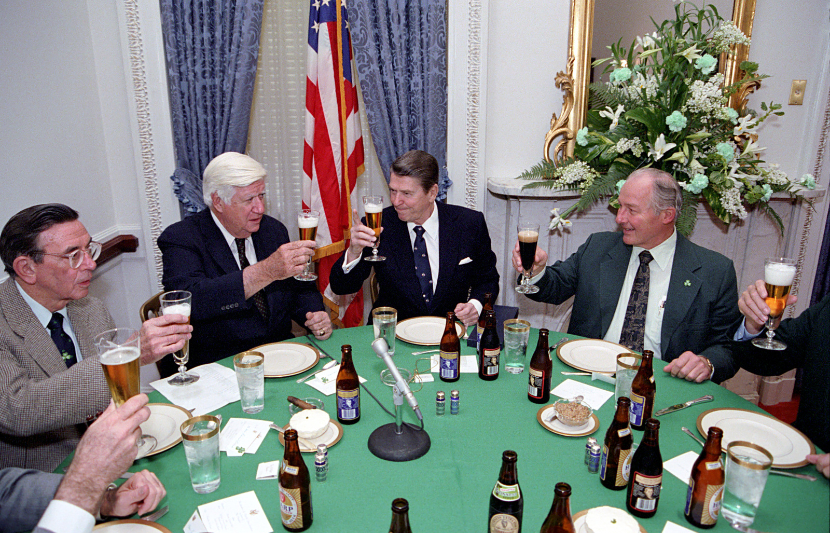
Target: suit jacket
[197,258]
[462,234]
[808,347]
[44,405]
[701,310]
[24,496]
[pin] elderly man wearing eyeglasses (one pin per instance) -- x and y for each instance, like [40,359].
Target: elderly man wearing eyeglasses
[51,383]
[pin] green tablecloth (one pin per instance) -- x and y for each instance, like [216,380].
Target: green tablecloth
[449,488]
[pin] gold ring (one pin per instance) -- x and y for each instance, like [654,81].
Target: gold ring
[322,332]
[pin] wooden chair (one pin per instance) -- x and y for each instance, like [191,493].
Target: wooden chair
[151,308]
[374,287]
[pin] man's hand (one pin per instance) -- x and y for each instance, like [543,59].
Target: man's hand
[289,260]
[540,261]
[361,237]
[755,309]
[319,324]
[163,335]
[822,463]
[467,313]
[690,367]
[139,494]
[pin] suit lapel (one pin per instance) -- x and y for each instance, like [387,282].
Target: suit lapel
[447,251]
[612,270]
[215,243]
[683,288]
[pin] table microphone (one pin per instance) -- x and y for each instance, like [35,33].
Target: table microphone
[382,349]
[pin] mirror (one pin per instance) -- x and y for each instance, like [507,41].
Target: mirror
[575,79]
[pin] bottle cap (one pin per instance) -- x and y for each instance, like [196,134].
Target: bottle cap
[440,395]
[454,394]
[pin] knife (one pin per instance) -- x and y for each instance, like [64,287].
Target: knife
[679,406]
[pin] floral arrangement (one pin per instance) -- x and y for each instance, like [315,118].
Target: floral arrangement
[666,106]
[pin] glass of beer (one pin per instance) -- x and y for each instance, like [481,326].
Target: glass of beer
[373,207]
[119,352]
[307,220]
[779,273]
[528,237]
[178,303]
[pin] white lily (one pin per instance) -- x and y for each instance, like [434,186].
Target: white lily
[751,149]
[660,147]
[614,116]
[646,41]
[557,221]
[745,123]
[691,53]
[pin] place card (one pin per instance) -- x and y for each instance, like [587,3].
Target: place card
[591,395]
[216,388]
[237,514]
[194,524]
[326,381]
[671,527]
[269,470]
[242,435]
[681,466]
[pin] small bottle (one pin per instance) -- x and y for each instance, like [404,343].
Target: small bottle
[616,451]
[454,402]
[703,500]
[400,516]
[348,389]
[450,356]
[539,370]
[506,502]
[295,487]
[591,442]
[321,467]
[322,448]
[643,389]
[559,517]
[489,349]
[593,459]
[488,306]
[646,478]
[440,403]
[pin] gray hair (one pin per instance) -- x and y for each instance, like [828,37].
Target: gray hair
[665,192]
[227,172]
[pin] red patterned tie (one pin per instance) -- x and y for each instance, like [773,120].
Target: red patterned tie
[634,325]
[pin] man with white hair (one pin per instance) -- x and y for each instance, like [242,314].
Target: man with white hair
[239,264]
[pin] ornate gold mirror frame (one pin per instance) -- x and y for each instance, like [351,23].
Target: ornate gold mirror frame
[574,81]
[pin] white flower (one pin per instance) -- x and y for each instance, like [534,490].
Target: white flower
[745,123]
[691,53]
[751,149]
[660,147]
[614,116]
[647,41]
[557,221]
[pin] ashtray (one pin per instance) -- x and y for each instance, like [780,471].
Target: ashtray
[573,412]
[316,402]
[386,376]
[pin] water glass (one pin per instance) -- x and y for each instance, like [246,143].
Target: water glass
[627,366]
[250,375]
[200,436]
[516,335]
[747,468]
[384,320]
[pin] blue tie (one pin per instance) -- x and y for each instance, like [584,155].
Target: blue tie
[422,270]
[64,343]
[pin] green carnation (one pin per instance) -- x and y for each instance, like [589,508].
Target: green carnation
[621,74]
[582,137]
[706,64]
[726,151]
[767,193]
[698,183]
[676,121]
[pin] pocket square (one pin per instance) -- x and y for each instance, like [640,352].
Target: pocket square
[465,261]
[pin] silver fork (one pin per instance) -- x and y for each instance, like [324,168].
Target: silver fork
[158,513]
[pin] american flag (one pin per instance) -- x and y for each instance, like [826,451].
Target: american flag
[333,152]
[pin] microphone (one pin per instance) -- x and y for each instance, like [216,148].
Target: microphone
[382,349]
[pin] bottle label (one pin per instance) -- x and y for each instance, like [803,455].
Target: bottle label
[536,383]
[645,491]
[507,493]
[623,466]
[711,504]
[293,470]
[449,364]
[504,523]
[490,361]
[636,410]
[623,432]
[626,465]
[714,465]
[348,404]
[292,517]
[603,462]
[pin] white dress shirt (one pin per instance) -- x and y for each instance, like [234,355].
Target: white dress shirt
[44,316]
[64,517]
[250,254]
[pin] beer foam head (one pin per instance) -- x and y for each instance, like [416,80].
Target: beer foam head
[528,236]
[305,221]
[372,208]
[120,355]
[177,309]
[779,274]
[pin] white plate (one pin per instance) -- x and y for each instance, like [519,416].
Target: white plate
[165,424]
[424,330]
[579,522]
[787,445]
[131,526]
[287,358]
[591,355]
[556,426]
[331,437]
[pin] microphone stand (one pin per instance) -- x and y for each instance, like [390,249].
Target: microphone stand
[397,441]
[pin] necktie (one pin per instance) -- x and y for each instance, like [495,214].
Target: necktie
[634,325]
[63,341]
[259,298]
[422,270]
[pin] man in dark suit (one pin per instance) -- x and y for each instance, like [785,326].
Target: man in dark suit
[239,265]
[438,256]
[688,309]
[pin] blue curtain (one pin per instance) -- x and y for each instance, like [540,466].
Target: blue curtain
[821,286]
[212,48]
[400,48]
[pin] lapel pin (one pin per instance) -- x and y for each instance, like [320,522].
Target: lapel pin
[687,283]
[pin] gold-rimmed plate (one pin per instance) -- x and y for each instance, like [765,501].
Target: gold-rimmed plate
[332,436]
[579,522]
[556,426]
[591,355]
[424,330]
[163,424]
[283,359]
[131,526]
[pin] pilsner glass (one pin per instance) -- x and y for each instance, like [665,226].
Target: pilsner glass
[307,220]
[528,237]
[178,303]
[373,207]
[779,273]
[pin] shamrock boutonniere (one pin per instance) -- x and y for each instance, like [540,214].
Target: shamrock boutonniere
[687,283]
[65,356]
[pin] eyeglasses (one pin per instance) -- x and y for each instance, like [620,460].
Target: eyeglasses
[76,257]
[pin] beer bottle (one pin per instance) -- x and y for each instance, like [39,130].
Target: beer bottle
[559,518]
[489,349]
[615,462]
[488,306]
[295,487]
[642,392]
[706,483]
[348,389]
[450,358]
[539,370]
[646,478]
[400,516]
[506,501]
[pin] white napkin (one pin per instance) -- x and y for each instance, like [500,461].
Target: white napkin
[326,381]
[593,396]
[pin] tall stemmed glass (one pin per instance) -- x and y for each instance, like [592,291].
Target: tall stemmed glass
[119,352]
[373,207]
[307,220]
[528,237]
[178,303]
[779,273]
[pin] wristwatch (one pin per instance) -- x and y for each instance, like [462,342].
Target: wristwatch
[711,368]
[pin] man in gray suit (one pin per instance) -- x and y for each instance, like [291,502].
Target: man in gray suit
[685,306]
[51,383]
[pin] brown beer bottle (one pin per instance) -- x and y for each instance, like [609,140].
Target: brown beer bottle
[295,487]
[400,516]
[488,306]
[642,392]
[348,389]
[489,349]
[539,370]
[615,461]
[506,500]
[646,478]
[706,484]
[450,357]
[559,518]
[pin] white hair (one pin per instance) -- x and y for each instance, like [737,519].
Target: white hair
[228,171]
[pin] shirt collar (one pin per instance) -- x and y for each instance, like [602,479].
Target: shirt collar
[662,253]
[430,225]
[230,239]
[43,315]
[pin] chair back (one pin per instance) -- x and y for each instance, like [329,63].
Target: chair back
[151,308]
[374,286]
